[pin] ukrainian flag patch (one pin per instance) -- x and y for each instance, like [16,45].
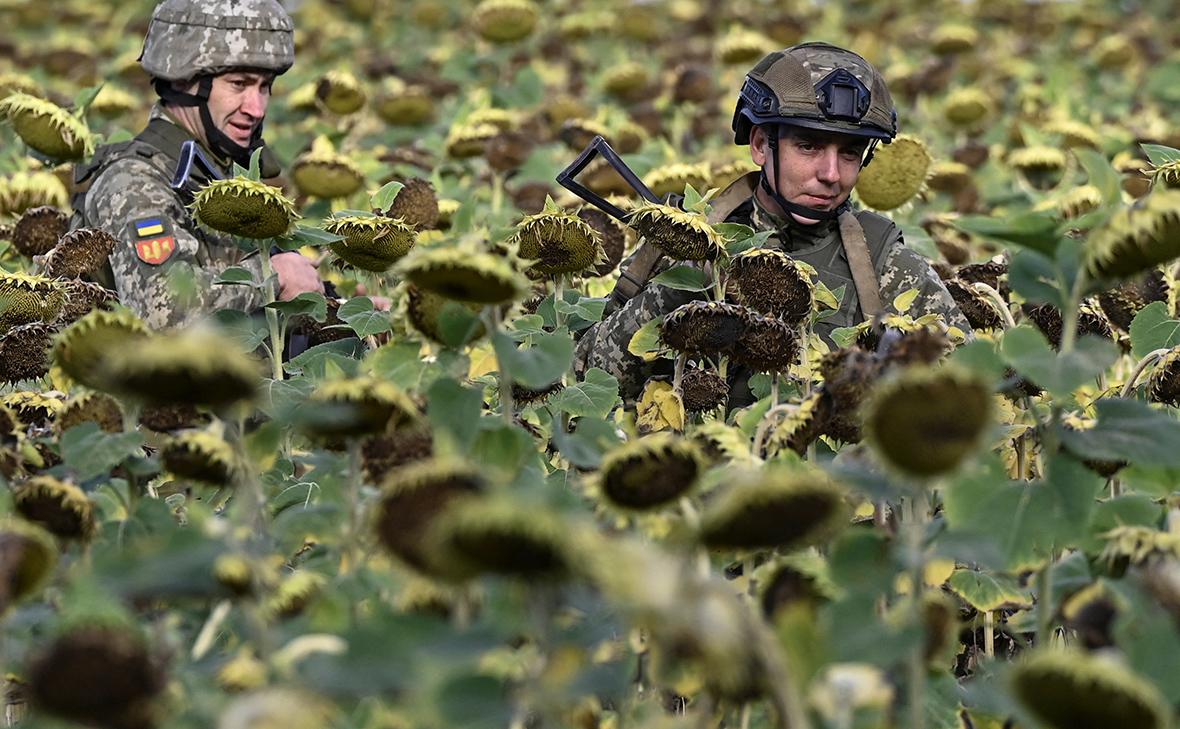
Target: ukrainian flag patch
[149,227]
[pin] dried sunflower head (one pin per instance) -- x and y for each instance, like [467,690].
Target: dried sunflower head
[28,555]
[804,425]
[1070,689]
[412,498]
[384,452]
[767,344]
[692,84]
[897,174]
[505,21]
[1041,166]
[33,408]
[113,101]
[681,235]
[1075,134]
[771,282]
[558,242]
[371,242]
[96,674]
[704,327]
[244,208]
[195,367]
[464,275]
[416,204]
[724,174]
[200,455]
[774,507]
[650,472]
[980,312]
[79,252]
[243,672]
[427,311]
[61,508]
[1164,384]
[703,390]
[926,421]
[578,132]
[1078,201]
[23,191]
[295,593]
[613,236]
[741,47]
[1047,318]
[325,173]
[1136,238]
[952,38]
[82,348]
[25,299]
[91,407]
[968,107]
[1122,303]
[24,351]
[403,104]
[799,577]
[340,92]
[948,176]
[628,81]
[39,229]
[356,407]
[671,179]
[508,151]
[47,128]
[465,141]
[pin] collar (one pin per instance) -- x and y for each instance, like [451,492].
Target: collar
[793,235]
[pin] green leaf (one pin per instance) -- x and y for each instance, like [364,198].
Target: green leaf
[307,236]
[1035,278]
[540,365]
[248,332]
[474,701]
[89,451]
[740,245]
[309,303]
[692,198]
[457,325]
[84,98]
[591,439]
[1160,154]
[980,356]
[454,410]
[647,339]
[584,308]
[401,363]
[684,278]
[383,198]
[1101,174]
[1153,329]
[254,172]
[1148,637]
[1027,350]
[595,396]
[986,592]
[845,336]
[503,447]
[1127,430]
[1126,510]
[237,276]
[315,362]
[1035,230]
[733,231]
[361,318]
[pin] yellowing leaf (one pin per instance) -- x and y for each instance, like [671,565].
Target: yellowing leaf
[483,361]
[936,572]
[904,301]
[660,408]
[645,344]
[824,295]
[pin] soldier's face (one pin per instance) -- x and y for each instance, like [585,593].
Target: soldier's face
[814,168]
[238,101]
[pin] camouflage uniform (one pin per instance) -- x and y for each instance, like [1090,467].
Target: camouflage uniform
[898,267]
[128,184]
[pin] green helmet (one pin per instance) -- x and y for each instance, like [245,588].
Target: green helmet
[191,38]
[818,86]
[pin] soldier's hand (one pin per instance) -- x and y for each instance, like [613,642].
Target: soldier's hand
[297,275]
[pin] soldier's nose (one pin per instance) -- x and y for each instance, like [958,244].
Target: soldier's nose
[254,103]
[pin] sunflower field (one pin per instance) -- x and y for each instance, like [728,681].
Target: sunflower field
[433,517]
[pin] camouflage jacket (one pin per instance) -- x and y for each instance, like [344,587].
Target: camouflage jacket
[898,267]
[163,265]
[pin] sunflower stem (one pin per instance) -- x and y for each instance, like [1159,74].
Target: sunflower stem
[558,316]
[1149,360]
[1044,599]
[1000,304]
[915,528]
[497,193]
[272,316]
[989,633]
[494,325]
[678,374]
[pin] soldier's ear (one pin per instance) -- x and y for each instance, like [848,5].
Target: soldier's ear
[759,146]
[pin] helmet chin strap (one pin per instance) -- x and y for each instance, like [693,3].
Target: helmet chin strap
[219,142]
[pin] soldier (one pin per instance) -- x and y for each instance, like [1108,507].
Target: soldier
[812,115]
[212,64]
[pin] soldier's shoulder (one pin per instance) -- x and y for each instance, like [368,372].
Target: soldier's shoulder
[127,173]
[876,223]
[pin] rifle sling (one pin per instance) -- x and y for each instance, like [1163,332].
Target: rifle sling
[868,289]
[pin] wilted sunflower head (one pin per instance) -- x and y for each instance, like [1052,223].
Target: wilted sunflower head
[1134,545]
[486,535]
[774,507]
[578,132]
[295,593]
[47,128]
[91,407]
[244,208]
[681,235]
[386,451]
[370,242]
[1123,302]
[79,252]
[741,47]
[340,92]
[948,176]
[978,308]
[968,107]
[703,390]
[416,204]
[798,577]
[83,297]
[671,179]
[61,508]
[355,407]
[897,174]
[24,351]
[200,455]
[925,421]
[11,82]
[559,242]
[505,21]
[113,101]
[23,191]
[1113,51]
[1041,166]
[951,38]
[771,282]
[723,174]
[1078,201]
[1136,238]
[464,275]
[1075,133]
[767,344]
[82,348]
[1071,689]
[467,140]
[39,229]
[628,81]
[412,498]
[28,298]
[197,366]
[32,408]
[426,312]
[403,104]
[704,327]
[28,555]
[98,675]
[325,173]
[243,672]
[650,472]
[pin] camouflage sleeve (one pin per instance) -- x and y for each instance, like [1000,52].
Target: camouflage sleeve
[604,345]
[162,269]
[905,269]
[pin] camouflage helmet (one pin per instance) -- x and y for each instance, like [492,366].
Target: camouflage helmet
[819,86]
[190,38]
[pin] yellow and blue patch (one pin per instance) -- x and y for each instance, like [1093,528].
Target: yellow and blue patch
[149,227]
[154,242]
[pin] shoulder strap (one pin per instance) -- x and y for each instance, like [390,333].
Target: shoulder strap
[864,276]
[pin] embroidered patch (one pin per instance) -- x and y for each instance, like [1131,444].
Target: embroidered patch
[156,250]
[148,227]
